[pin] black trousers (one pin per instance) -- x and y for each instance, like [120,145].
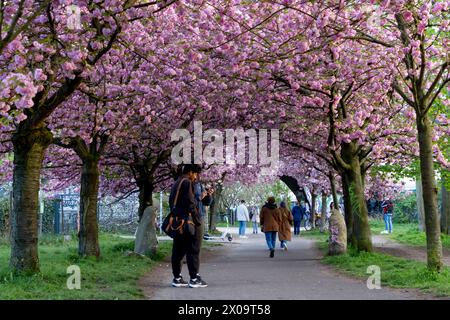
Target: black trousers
[297,224]
[190,247]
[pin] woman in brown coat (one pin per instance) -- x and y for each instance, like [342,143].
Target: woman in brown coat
[270,219]
[284,232]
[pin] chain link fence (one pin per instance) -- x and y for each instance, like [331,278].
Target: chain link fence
[60,215]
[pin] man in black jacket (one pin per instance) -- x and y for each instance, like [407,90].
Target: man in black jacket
[186,245]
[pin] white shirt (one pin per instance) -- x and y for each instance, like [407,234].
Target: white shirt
[242,213]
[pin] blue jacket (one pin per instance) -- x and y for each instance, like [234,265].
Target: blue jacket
[297,212]
[201,203]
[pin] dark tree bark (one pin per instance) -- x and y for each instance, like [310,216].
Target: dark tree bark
[215,206]
[146,242]
[355,188]
[323,212]
[29,151]
[348,212]
[333,190]
[430,193]
[313,209]
[88,244]
[145,195]
[90,154]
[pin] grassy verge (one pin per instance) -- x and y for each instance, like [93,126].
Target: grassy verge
[395,272]
[315,234]
[407,234]
[113,276]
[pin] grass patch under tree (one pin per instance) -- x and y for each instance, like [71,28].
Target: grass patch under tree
[395,272]
[113,276]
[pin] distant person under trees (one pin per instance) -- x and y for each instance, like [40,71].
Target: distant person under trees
[388,211]
[242,216]
[297,215]
[270,223]
[255,220]
[284,232]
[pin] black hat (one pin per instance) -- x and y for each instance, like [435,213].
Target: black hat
[191,168]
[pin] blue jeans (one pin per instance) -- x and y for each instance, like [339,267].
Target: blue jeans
[242,228]
[388,222]
[255,227]
[271,238]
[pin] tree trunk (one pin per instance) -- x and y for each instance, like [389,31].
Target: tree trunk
[445,209]
[429,192]
[313,209]
[420,208]
[146,242]
[361,228]
[145,196]
[88,244]
[333,190]
[348,212]
[214,208]
[29,151]
[323,212]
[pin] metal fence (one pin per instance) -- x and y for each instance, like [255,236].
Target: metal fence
[60,214]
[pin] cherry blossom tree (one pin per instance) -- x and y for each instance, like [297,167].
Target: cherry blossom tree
[59,55]
[418,31]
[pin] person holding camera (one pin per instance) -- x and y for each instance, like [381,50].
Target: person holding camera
[186,244]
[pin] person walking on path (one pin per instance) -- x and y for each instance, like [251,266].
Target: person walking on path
[255,220]
[185,244]
[242,216]
[284,233]
[388,211]
[270,223]
[305,213]
[297,215]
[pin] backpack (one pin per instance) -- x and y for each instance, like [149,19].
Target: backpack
[388,208]
[175,226]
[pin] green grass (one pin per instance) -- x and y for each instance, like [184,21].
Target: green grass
[113,276]
[315,234]
[407,234]
[395,272]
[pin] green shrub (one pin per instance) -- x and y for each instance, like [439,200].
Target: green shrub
[405,209]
